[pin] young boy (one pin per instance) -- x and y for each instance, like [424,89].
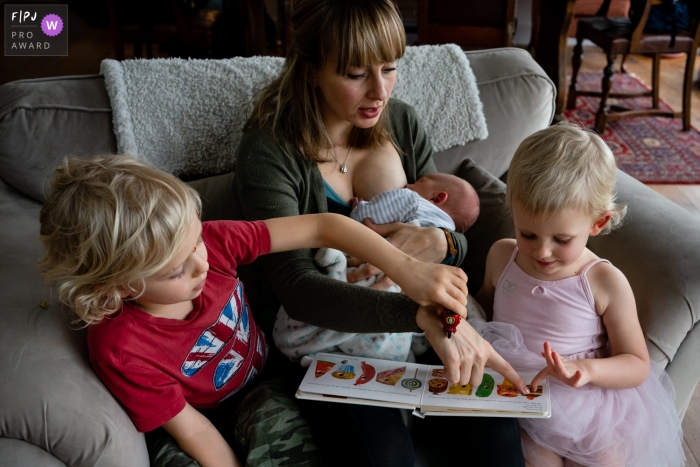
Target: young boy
[170,332]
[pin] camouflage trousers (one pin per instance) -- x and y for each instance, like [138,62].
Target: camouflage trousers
[266,430]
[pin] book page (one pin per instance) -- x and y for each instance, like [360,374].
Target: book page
[366,378]
[495,394]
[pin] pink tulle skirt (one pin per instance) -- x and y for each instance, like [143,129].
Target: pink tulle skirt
[595,426]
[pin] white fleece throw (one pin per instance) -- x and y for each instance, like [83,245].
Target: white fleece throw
[187,116]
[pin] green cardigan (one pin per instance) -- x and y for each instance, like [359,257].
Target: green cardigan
[269,183]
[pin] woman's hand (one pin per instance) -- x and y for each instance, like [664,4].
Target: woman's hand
[571,372]
[466,353]
[423,243]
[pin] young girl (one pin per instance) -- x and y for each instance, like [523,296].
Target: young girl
[560,309]
[170,332]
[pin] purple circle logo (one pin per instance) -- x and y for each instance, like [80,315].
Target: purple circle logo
[52,25]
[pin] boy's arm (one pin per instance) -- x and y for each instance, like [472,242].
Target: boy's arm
[425,283]
[200,439]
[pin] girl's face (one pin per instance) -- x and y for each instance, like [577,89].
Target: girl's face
[551,247]
[357,98]
[169,293]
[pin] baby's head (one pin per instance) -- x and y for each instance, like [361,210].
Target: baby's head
[452,194]
[561,167]
[109,223]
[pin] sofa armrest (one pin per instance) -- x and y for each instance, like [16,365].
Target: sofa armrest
[658,249]
[49,394]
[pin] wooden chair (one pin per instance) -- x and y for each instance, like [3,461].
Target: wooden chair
[468,23]
[621,36]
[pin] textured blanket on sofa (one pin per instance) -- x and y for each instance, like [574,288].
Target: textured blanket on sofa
[187,116]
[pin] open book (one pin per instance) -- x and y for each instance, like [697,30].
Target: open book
[423,388]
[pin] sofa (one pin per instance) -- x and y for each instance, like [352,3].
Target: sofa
[55,411]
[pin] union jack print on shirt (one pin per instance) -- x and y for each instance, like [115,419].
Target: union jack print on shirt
[214,338]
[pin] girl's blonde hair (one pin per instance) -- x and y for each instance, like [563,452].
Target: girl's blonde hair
[109,223]
[354,33]
[564,166]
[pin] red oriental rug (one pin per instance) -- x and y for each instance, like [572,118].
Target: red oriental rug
[651,149]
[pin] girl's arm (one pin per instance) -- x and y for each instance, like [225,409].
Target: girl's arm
[496,261]
[200,439]
[425,283]
[628,365]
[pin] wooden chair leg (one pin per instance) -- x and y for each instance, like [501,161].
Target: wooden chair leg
[688,89]
[606,87]
[655,80]
[623,67]
[576,59]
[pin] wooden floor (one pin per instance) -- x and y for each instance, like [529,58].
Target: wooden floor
[88,46]
[687,196]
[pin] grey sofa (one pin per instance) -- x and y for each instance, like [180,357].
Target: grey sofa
[53,409]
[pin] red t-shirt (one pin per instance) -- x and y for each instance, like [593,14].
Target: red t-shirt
[153,365]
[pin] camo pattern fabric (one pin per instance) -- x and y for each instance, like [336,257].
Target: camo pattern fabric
[268,431]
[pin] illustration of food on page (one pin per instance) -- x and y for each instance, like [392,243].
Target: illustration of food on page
[495,394]
[368,373]
[358,377]
[323,367]
[391,377]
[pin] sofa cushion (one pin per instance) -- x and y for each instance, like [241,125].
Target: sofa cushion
[44,120]
[494,221]
[518,100]
[49,395]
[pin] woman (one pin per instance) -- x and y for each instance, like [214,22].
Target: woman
[326,115]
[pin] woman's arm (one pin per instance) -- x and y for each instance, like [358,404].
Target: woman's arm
[270,184]
[426,283]
[200,439]
[628,364]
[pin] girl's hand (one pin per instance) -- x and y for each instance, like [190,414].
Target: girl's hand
[571,372]
[466,353]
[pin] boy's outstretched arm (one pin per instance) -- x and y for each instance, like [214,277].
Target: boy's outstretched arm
[425,283]
[200,439]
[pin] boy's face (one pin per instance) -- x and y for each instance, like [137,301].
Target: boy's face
[169,293]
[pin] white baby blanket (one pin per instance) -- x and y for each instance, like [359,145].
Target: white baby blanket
[187,116]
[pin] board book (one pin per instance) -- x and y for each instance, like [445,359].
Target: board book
[422,388]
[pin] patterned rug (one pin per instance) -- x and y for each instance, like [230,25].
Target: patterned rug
[651,149]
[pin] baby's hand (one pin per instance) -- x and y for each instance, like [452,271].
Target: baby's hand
[571,372]
[355,201]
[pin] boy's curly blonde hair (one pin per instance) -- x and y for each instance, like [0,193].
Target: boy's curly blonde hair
[108,223]
[564,166]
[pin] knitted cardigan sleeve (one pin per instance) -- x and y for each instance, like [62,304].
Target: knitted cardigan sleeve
[273,180]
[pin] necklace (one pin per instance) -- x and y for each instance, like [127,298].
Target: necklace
[342,167]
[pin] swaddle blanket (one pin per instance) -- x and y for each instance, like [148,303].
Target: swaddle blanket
[187,116]
[296,339]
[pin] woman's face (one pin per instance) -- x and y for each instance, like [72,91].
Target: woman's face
[358,97]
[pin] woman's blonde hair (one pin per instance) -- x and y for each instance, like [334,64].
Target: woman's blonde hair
[354,33]
[109,223]
[564,166]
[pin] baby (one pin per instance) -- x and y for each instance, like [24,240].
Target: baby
[435,200]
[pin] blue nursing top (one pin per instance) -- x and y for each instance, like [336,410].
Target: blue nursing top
[335,203]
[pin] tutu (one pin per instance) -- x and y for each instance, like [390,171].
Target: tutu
[595,426]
